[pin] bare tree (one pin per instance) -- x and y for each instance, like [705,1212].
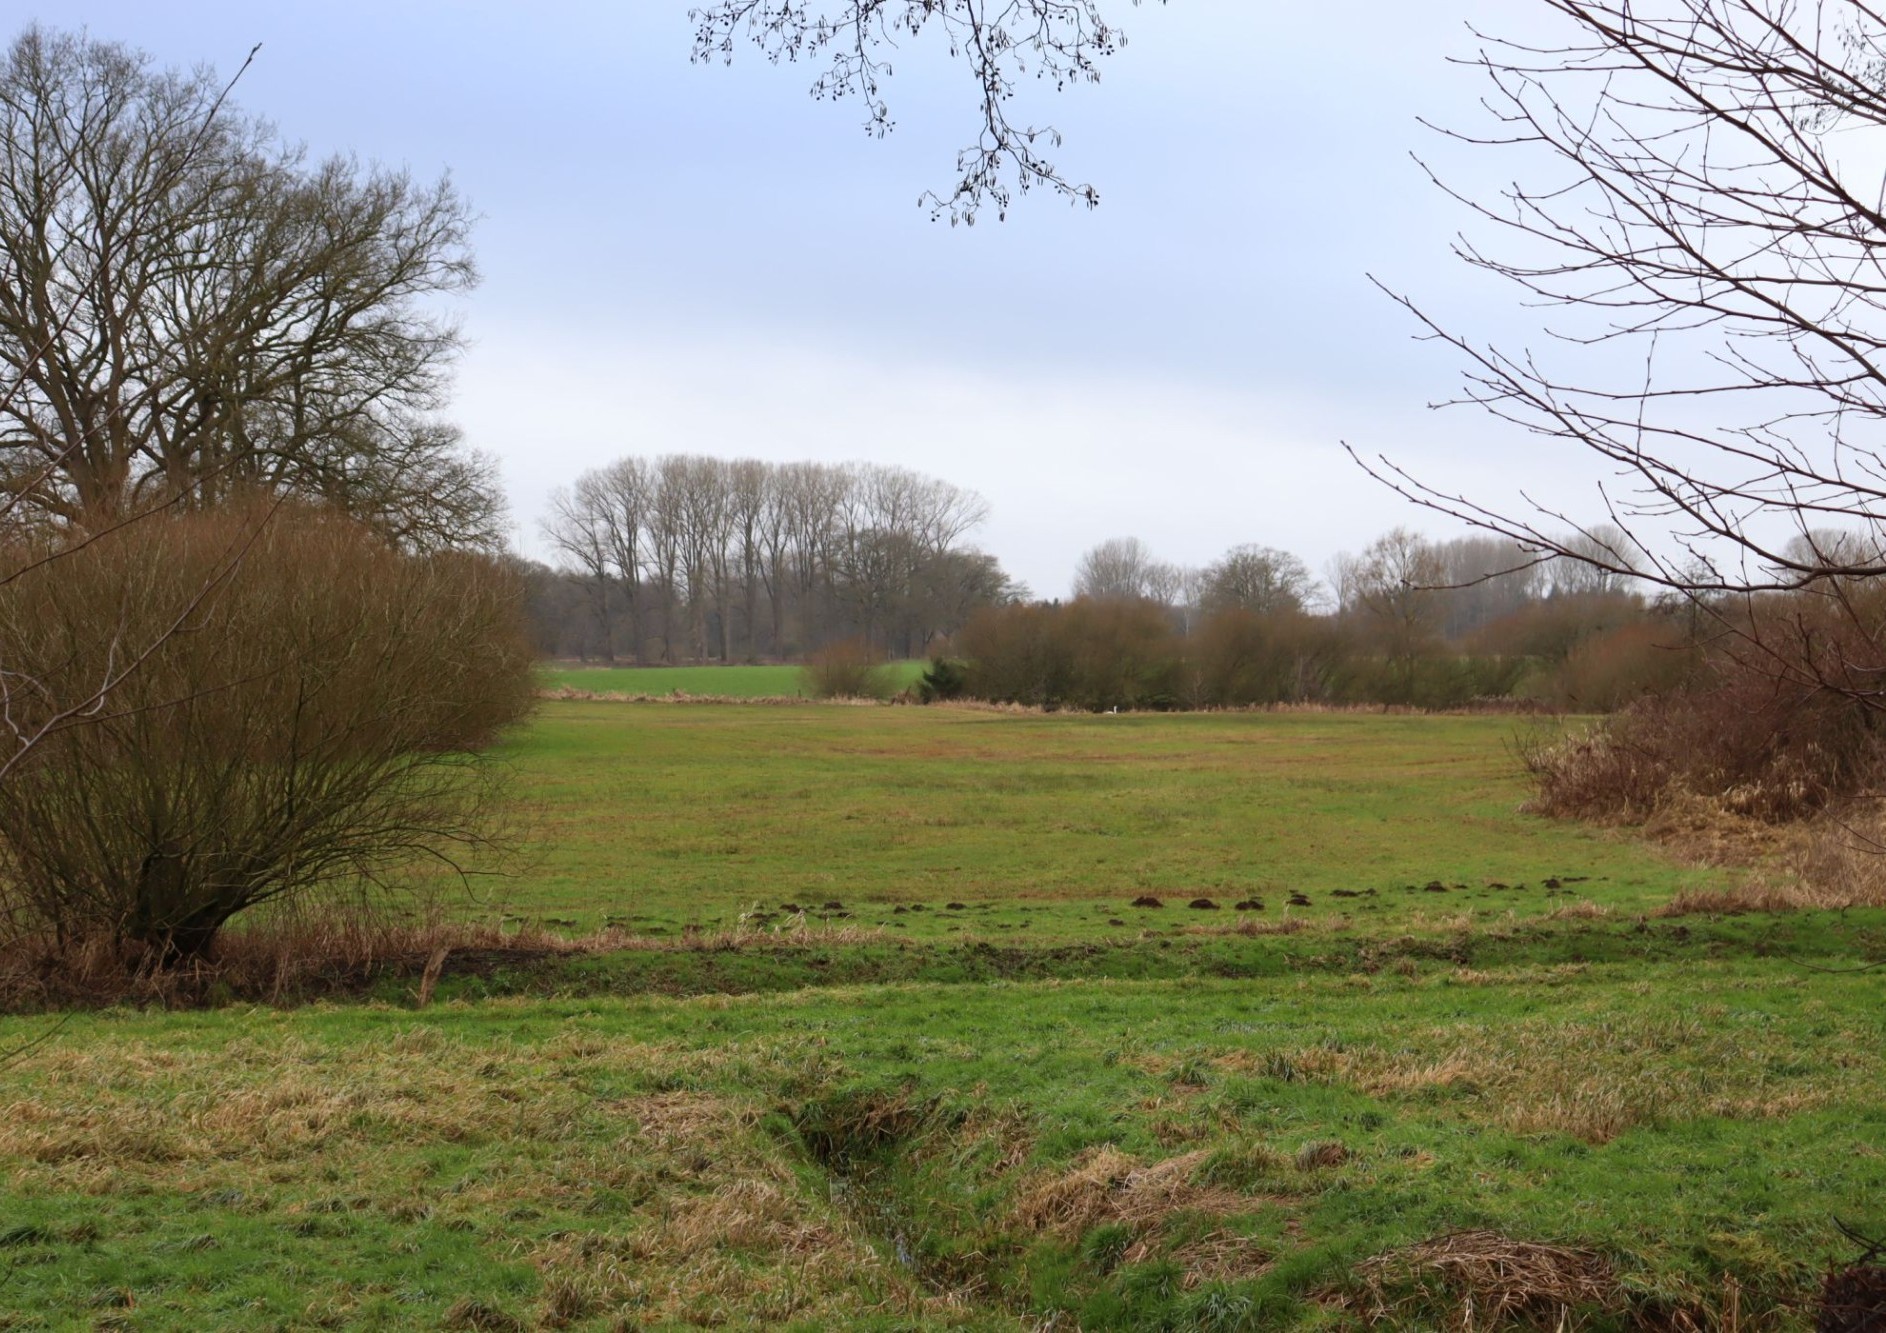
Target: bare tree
[1061,42]
[747,478]
[835,551]
[1702,206]
[1259,579]
[1118,569]
[1483,579]
[1395,590]
[188,308]
[577,528]
[1597,555]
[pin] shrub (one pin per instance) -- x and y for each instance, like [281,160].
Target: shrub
[1237,657]
[1610,669]
[1755,745]
[1015,656]
[1121,654]
[304,717]
[946,678]
[1091,653]
[848,669]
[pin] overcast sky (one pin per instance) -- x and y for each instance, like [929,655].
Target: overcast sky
[703,259]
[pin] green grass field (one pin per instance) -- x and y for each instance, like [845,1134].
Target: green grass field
[1410,1108]
[721,682]
[664,819]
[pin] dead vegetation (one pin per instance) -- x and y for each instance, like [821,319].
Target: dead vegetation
[293,957]
[1111,1186]
[1486,1281]
[1841,861]
[1831,863]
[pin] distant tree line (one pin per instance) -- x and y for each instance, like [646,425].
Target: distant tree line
[1407,621]
[686,558]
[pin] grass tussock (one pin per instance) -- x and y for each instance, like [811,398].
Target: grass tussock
[1482,1279]
[1707,831]
[1104,1186]
[1832,863]
[1744,899]
[1218,1256]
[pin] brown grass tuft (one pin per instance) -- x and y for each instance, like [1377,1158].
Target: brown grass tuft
[1709,831]
[1491,1281]
[1222,1256]
[476,1316]
[1736,901]
[1320,1153]
[1841,861]
[1106,1185]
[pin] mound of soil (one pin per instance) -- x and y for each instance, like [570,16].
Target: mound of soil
[1248,905]
[1147,900]
[1203,905]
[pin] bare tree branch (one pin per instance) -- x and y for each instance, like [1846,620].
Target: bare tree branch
[1061,42]
[1700,208]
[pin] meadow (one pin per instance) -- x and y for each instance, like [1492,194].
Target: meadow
[669,819]
[880,1041]
[759,681]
